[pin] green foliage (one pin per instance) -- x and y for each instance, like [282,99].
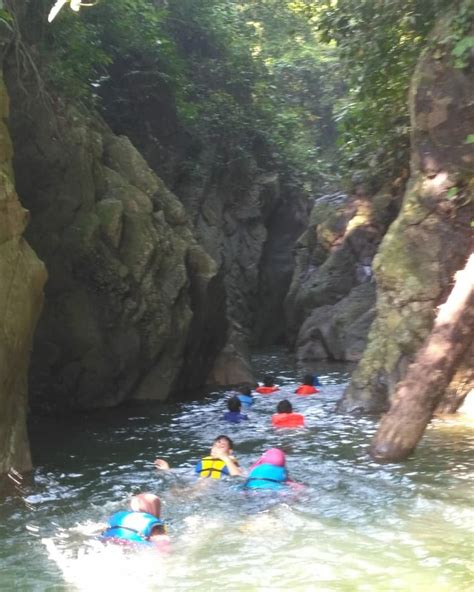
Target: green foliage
[452,192]
[258,71]
[379,43]
[462,46]
[462,34]
[239,72]
[5,15]
[318,82]
[75,57]
[80,48]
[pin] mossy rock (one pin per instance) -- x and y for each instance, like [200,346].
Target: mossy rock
[110,212]
[121,156]
[83,233]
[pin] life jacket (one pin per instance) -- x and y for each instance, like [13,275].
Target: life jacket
[131,527]
[266,476]
[246,400]
[266,390]
[288,420]
[211,467]
[306,389]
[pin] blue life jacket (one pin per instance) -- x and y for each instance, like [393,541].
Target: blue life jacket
[134,527]
[266,476]
[246,400]
[316,381]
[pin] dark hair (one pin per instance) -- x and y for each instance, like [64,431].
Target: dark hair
[158,529]
[284,406]
[308,379]
[234,404]
[245,390]
[222,437]
[268,380]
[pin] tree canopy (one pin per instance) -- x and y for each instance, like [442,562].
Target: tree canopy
[324,84]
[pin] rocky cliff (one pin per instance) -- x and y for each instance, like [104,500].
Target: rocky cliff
[145,289]
[432,237]
[21,297]
[244,214]
[129,288]
[331,302]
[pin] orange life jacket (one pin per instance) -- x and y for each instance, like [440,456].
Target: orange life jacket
[306,389]
[287,420]
[266,390]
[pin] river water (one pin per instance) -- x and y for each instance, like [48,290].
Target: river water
[355,526]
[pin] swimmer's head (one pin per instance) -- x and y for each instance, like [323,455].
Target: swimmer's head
[308,379]
[158,530]
[245,390]
[268,380]
[146,502]
[274,456]
[160,538]
[223,444]
[284,406]
[234,404]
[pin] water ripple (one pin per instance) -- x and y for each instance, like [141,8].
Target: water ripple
[356,525]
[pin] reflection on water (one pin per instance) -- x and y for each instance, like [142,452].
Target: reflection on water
[355,526]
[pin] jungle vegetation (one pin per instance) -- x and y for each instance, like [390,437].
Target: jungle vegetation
[324,84]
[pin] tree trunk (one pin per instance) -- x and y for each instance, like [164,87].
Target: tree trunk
[461,385]
[416,396]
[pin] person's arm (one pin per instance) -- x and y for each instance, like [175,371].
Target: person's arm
[230,463]
[161,464]
[295,485]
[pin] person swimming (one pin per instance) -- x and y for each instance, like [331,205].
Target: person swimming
[141,526]
[269,472]
[219,463]
[285,418]
[307,388]
[267,387]
[234,415]
[245,396]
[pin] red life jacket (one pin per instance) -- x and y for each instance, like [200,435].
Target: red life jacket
[287,420]
[306,389]
[266,390]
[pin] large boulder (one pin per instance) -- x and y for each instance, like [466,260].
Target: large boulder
[129,286]
[21,296]
[232,366]
[248,222]
[337,332]
[246,216]
[431,238]
[330,305]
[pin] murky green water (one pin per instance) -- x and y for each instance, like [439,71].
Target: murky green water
[355,526]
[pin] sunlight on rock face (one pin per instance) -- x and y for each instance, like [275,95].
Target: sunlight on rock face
[362,217]
[467,408]
[436,183]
